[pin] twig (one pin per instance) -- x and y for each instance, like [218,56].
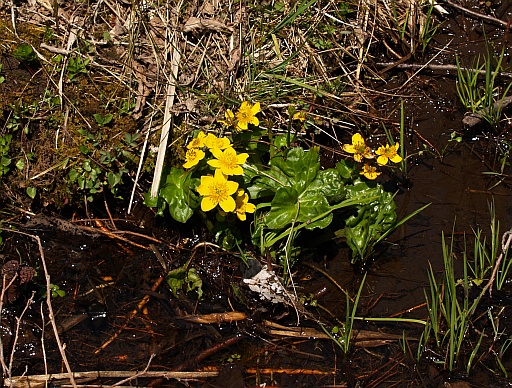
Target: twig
[415,66]
[5,368]
[505,244]
[49,303]
[134,312]
[17,330]
[139,167]
[476,14]
[211,350]
[140,374]
[40,380]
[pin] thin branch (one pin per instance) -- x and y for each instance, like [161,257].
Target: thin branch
[49,304]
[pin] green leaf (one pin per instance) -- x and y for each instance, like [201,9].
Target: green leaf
[299,168]
[20,164]
[181,276]
[288,207]
[178,193]
[31,192]
[113,179]
[73,174]
[5,161]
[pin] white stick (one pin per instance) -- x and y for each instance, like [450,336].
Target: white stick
[169,102]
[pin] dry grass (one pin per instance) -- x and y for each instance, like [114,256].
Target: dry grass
[314,55]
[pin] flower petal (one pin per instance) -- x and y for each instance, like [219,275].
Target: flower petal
[232,187]
[382,160]
[207,204]
[241,158]
[357,138]
[228,204]
[255,108]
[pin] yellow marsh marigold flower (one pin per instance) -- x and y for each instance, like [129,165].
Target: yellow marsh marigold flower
[388,153]
[358,148]
[230,119]
[228,161]
[242,205]
[193,156]
[300,116]
[213,141]
[217,190]
[370,172]
[197,142]
[247,115]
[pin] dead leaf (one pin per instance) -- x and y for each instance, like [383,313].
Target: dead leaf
[194,24]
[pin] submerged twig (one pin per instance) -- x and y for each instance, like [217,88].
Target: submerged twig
[446,68]
[476,14]
[51,315]
[134,312]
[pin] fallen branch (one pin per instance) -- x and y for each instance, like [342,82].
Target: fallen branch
[446,68]
[61,378]
[477,15]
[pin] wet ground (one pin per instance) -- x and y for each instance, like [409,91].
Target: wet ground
[117,313]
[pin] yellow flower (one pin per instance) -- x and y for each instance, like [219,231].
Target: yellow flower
[388,153]
[228,161]
[300,116]
[358,148]
[242,205]
[197,142]
[217,190]
[370,172]
[213,141]
[230,119]
[247,115]
[193,156]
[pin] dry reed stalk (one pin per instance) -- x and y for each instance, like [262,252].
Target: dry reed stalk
[169,103]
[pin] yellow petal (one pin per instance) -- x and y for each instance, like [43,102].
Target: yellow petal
[232,188]
[357,138]
[349,148]
[255,108]
[396,159]
[382,160]
[250,208]
[214,163]
[207,204]
[241,125]
[228,205]
[241,158]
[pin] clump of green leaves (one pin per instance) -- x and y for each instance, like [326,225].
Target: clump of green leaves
[5,160]
[76,67]
[100,167]
[289,192]
[25,54]
[484,99]
[180,277]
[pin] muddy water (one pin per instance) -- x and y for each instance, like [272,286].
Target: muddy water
[104,281]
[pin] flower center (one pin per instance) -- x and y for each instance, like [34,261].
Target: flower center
[360,148]
[218,191]
[229,160]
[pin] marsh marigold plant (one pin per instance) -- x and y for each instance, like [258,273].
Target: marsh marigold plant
[279,185]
